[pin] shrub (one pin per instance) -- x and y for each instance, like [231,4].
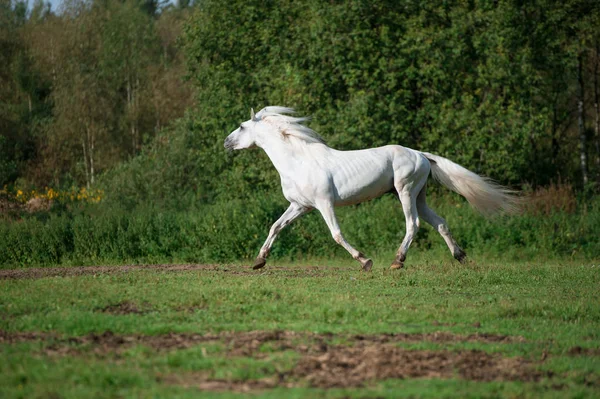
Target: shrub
[233,231]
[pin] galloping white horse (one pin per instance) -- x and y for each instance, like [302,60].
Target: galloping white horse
[315,176]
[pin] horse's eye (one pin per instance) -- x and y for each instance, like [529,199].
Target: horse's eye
[241,127]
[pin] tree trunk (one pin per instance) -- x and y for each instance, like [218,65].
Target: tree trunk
[597,109]
[555,144]
[132,89]
[91,156]
[129,113]
[53,60]
[135,114]
[85,163]
[581,119]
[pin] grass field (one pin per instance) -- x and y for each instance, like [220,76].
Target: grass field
[434,329]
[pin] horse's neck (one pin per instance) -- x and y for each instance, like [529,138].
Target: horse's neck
[285,157]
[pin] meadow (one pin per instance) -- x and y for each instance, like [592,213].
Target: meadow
[127,231]
[435,329]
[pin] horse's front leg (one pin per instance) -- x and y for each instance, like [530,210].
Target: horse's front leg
[292,213]
[328,213]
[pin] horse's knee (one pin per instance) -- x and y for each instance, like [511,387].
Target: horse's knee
[337,237]
[443,229]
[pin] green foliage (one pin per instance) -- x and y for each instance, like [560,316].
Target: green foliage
[490,86]
[472,81]
[234,231]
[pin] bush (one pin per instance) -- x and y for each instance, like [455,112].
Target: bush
[233,231]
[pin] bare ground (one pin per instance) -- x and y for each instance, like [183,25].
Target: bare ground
[126,307]
[356,366]
[244,343]
[42,272]
[361,360]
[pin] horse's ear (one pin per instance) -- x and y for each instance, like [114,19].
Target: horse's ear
[252,115]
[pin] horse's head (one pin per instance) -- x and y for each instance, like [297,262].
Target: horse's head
[244,136]
[278,126]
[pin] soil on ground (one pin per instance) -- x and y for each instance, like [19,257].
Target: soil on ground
[75,271]
[326,360]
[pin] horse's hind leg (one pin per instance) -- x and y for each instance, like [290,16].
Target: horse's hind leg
[439,224]
[328,213]
[408,200]
[292,213]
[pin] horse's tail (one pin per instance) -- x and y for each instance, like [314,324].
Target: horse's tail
[483,194]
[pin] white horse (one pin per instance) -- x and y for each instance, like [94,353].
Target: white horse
[315,176]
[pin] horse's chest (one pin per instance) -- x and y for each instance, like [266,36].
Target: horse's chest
[301,188]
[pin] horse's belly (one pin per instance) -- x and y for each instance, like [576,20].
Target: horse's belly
[362,190]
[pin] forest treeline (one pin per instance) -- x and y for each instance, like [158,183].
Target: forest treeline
[507,88]
[84,88]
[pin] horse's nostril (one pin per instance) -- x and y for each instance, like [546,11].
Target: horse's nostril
[228,144]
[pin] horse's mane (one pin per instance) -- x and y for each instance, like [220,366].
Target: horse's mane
[288,126]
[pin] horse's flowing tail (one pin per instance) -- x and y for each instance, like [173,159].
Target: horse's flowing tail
[488,197]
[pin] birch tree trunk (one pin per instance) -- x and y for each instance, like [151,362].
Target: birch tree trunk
[91,156]
[597,109]
[85,163]
[581,121]
[129,101]
[555,144]
[135,114]
[131,111]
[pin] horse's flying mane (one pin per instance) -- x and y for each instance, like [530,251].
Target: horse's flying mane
[289,126]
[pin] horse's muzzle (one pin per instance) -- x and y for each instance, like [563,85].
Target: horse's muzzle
[229,144]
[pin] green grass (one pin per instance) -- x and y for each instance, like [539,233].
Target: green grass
[554,306]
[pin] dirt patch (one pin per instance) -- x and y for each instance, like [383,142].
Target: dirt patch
[366,362]
[7,206]
[439,336]
[43,272]
[343,366]
[361,360]
[579,351]
[204,382]
[247,343]
[110,343]
[126,307]
[38,205]
[15,337]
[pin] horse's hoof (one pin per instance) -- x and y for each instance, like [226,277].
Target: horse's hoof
[461,256]
[259,263]
[396,265]
[367,265]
